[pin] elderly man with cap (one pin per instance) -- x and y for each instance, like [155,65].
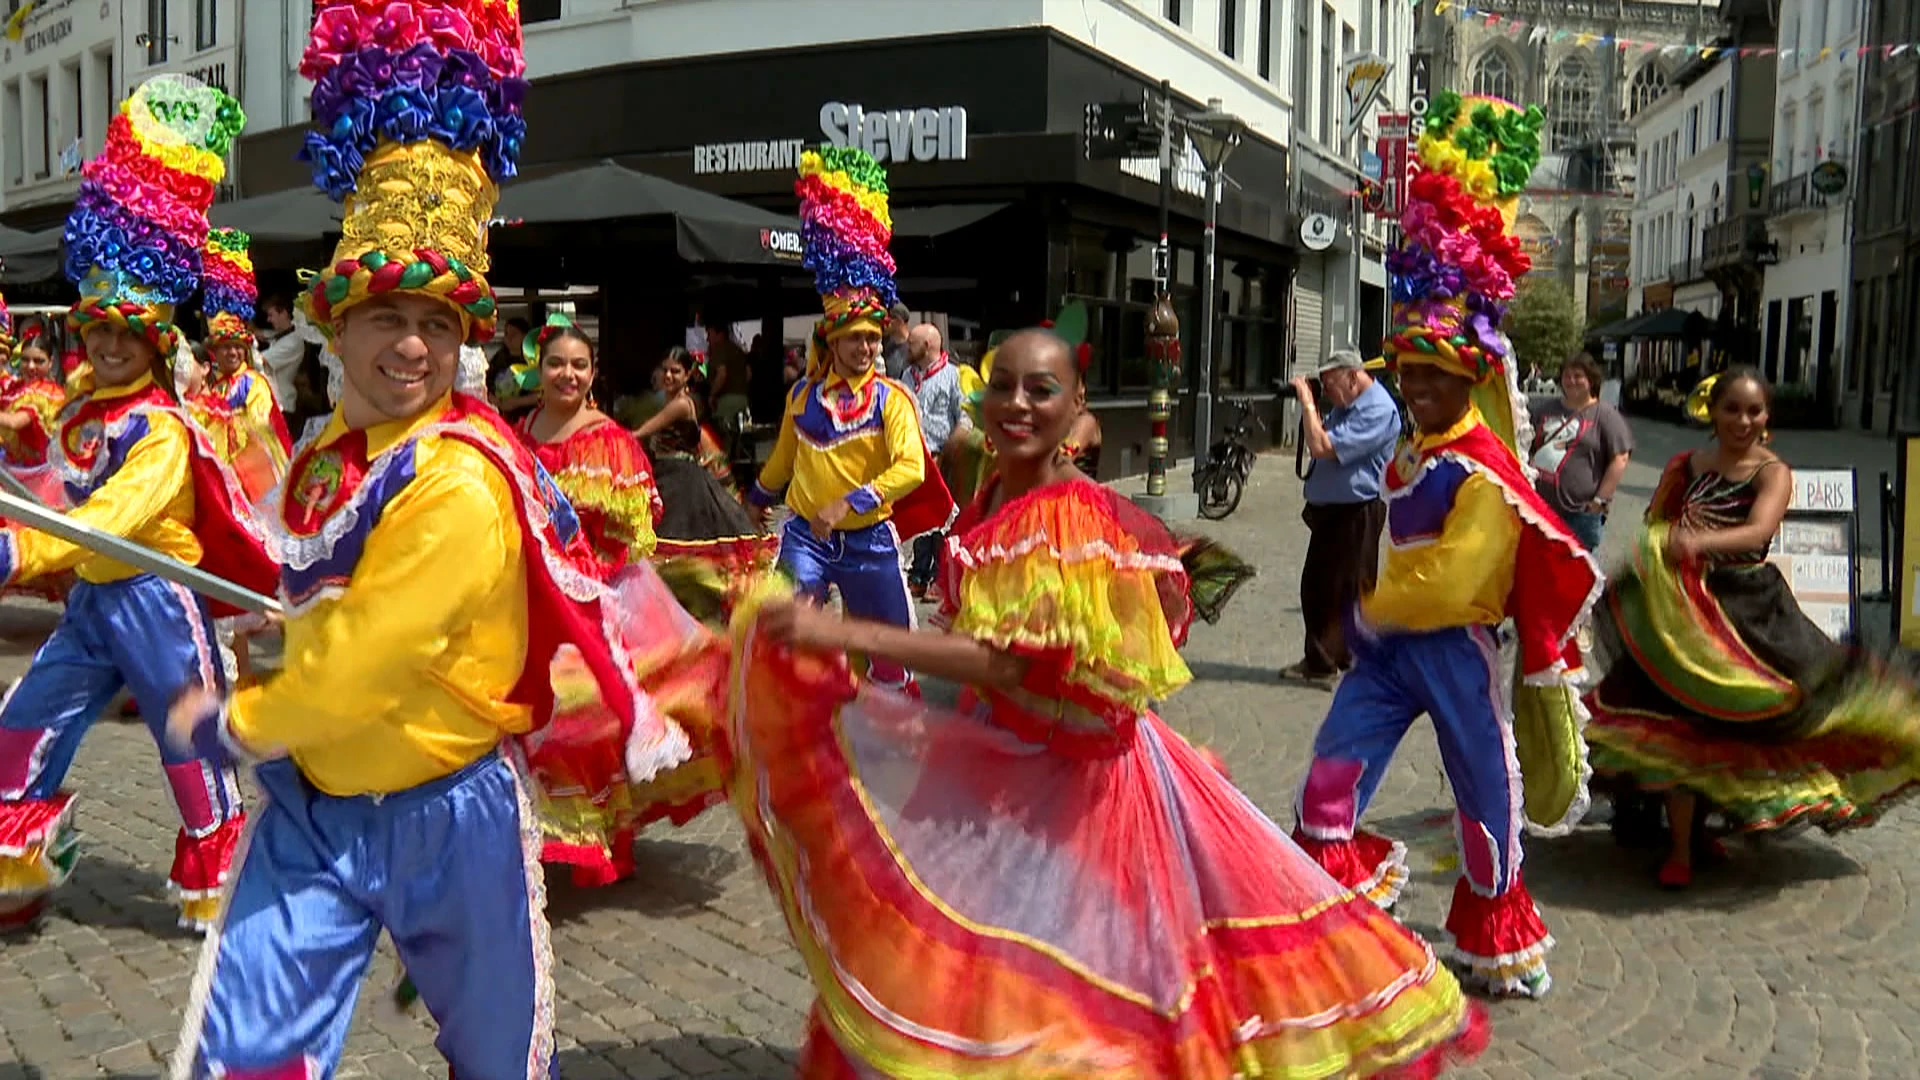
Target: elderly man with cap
[1351,446]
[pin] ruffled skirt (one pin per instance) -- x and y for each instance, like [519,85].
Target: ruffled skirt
[703,523]
[1751,707]
[973,905]
[587,822]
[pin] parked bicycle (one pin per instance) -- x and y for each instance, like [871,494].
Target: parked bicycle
[1229,462]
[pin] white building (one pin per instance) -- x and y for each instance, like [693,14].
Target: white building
[60,81]
[196,38]
[1809,204]
[1684,139]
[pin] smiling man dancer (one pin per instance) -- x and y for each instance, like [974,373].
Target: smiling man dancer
[432,600]
[1471,545]
[134,466]
[851,461]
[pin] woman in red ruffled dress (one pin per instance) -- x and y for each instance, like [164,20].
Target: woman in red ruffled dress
[598,465]
[1051,882]
[28,406]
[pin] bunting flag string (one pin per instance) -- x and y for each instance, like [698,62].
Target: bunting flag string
[1536,34]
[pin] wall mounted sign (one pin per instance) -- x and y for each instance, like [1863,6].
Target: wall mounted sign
[1829,178]
[890,135]
[1316,231]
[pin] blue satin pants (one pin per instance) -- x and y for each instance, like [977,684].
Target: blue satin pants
[864,564]
[144,633]
[450,869]
[1452,675]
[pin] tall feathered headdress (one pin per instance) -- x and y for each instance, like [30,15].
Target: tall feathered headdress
[844,232]
[228,292]
[134,238]
[416,110]
[1455,269]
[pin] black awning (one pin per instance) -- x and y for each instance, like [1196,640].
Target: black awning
[291,216]
[942,219]
[707,227]
[1665,323]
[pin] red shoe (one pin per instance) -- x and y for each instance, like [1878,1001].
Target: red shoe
[1676,875]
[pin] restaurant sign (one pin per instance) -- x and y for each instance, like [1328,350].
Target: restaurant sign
[890,135]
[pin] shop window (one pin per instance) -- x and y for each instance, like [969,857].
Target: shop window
[1648,83]
[205,24]
[1571,97]
[156,32]
[1493,76]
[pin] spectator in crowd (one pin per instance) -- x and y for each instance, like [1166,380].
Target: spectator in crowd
[508,397]
[1580,450]
[935,382]
[283,348]
[1351,447]
[896,355]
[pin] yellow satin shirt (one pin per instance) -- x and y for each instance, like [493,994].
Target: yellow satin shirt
[148,500]
[817,462]
[1460,577]
[260,407]
[402,678]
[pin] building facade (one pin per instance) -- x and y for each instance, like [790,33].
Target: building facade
[60,79]
[1004,218]
[1810,209]
[1576,217]
[1882,385]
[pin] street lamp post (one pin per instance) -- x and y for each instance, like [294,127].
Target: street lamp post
[1215,133]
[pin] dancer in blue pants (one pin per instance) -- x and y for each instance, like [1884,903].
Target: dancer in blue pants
[851,461]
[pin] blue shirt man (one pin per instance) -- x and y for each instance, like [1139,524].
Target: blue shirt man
[1351,449]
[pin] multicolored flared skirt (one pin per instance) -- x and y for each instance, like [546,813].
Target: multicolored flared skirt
[1722,686]
[970,904]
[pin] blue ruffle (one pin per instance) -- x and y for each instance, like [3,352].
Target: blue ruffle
[217,298]
[837,264]
[373,94]
[103,235]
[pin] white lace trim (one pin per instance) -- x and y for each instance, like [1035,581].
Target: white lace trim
[236,495]
[873,409]
[1554,529]
[188,1049]
[540,1053]
[1124,560]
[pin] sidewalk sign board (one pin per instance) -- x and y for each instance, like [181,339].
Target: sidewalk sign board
[1817,548]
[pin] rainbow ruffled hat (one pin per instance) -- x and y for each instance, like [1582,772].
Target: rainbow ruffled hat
[845,228]
[134,237]
[416,110]
[6,326]
[1456,265]
[228,292]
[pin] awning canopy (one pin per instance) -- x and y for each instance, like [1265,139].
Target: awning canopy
[707,227]
[296,215]
[942,219]
[29,256]
[1666,323]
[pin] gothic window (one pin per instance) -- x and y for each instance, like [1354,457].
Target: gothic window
[1645,88]
[1570,103]
[1493,76]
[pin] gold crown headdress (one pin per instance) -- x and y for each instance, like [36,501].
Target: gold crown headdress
[417,119]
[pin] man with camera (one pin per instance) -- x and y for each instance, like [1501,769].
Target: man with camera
[1351,447]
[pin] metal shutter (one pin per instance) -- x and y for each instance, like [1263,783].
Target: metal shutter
[1309,331]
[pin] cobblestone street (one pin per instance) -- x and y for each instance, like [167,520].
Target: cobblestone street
[1797,959]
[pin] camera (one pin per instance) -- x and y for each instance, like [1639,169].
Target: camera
[1286,391]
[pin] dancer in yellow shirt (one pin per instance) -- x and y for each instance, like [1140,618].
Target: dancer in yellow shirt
[435,609]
